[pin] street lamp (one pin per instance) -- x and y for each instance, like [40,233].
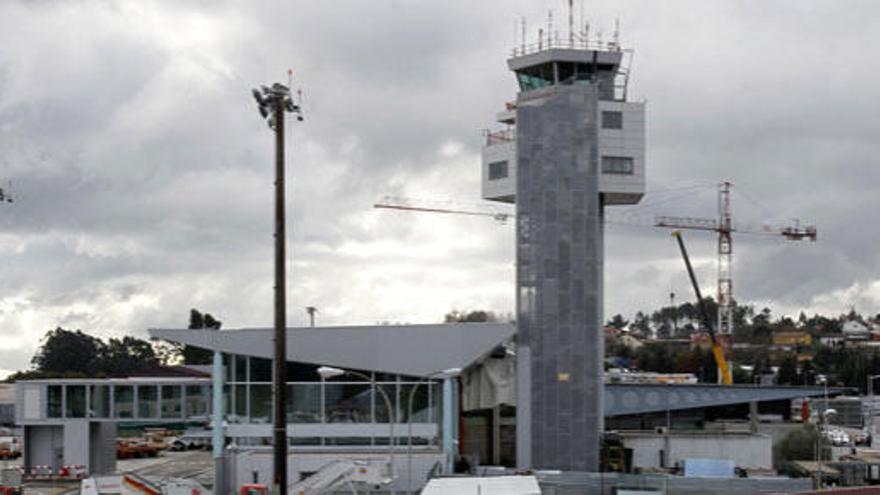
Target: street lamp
[273,102]
[328,372]
[446,374]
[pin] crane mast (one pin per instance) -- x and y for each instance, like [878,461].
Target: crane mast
[723,225]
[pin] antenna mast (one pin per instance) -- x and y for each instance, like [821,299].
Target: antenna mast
[571,23]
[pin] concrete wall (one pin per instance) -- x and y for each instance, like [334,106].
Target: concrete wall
[747,451]
[44,445]
[102,447]
[245,464]
[559,280]
[76,442]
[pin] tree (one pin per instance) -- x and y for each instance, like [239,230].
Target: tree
[478,316]
[788,372]
[198,321]
[641,324]
[65,352]
[799,445]
[121,357]
[617,321]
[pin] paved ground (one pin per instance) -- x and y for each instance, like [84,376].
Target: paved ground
[194,464]
[197,465]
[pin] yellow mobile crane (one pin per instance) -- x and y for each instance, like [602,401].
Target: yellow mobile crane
[717,350]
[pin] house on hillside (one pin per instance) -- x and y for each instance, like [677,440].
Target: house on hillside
[855,331]
[792,338]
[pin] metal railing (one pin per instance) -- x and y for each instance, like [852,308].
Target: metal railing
[578,43]
[499,137]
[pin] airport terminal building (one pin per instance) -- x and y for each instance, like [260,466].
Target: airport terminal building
[432,417]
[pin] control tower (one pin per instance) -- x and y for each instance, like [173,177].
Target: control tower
[572,146]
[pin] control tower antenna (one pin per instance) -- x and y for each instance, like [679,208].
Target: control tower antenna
[581,20]
[571,23]
[617,32]
[523,39]
[550,28]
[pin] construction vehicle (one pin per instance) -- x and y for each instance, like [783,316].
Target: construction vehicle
[717,349]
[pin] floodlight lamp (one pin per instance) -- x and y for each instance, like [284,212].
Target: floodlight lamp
[271,122]
[327,372]
[258,97]
[289,106]
[280,88]
[264,111]
[299,118]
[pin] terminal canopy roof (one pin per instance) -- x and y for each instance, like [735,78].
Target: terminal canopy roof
[413,350]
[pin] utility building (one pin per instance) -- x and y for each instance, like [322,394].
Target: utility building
[573,145]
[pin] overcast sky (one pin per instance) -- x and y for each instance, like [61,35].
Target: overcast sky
[142,172]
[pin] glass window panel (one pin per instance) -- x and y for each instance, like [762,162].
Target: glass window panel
[240,368]
[612,119]
[228,402]
[261,370]
[123,401]
[414,400]
[148,401]
[347,403]
[348,441]
[622,165]
[99,398]
[304,403]
[76,401]
[198,400]
[498,170]
[53,401]
[171,397]
[227,368]
[241,402]
[302,372]
[312,441]
[261,403]
[381,412]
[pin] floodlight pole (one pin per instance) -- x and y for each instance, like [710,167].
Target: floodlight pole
[280,375]
[273,103]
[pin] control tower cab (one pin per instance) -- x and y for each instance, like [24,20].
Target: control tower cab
[620,133]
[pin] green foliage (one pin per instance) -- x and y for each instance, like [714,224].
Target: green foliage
[74,354]
[618,321]
[197,355]
[478,316]
[65,351]
[799,445]
[788,372]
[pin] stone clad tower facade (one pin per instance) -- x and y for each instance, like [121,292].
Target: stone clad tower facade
[573,146]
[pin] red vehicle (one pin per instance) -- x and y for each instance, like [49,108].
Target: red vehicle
[6,453]
[252,489]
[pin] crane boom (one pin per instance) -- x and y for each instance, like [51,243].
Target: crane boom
[407,204]
[717,350]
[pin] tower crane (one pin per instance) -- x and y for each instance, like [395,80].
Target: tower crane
[449,207]
[725,227]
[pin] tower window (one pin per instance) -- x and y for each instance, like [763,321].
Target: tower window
[612,119]
[498,170]
[622,165]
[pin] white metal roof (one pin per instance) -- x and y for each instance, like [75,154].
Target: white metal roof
[415,350]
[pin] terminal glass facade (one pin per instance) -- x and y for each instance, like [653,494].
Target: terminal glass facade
[346,410]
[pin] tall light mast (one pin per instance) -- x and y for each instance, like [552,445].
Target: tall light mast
[273,102]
